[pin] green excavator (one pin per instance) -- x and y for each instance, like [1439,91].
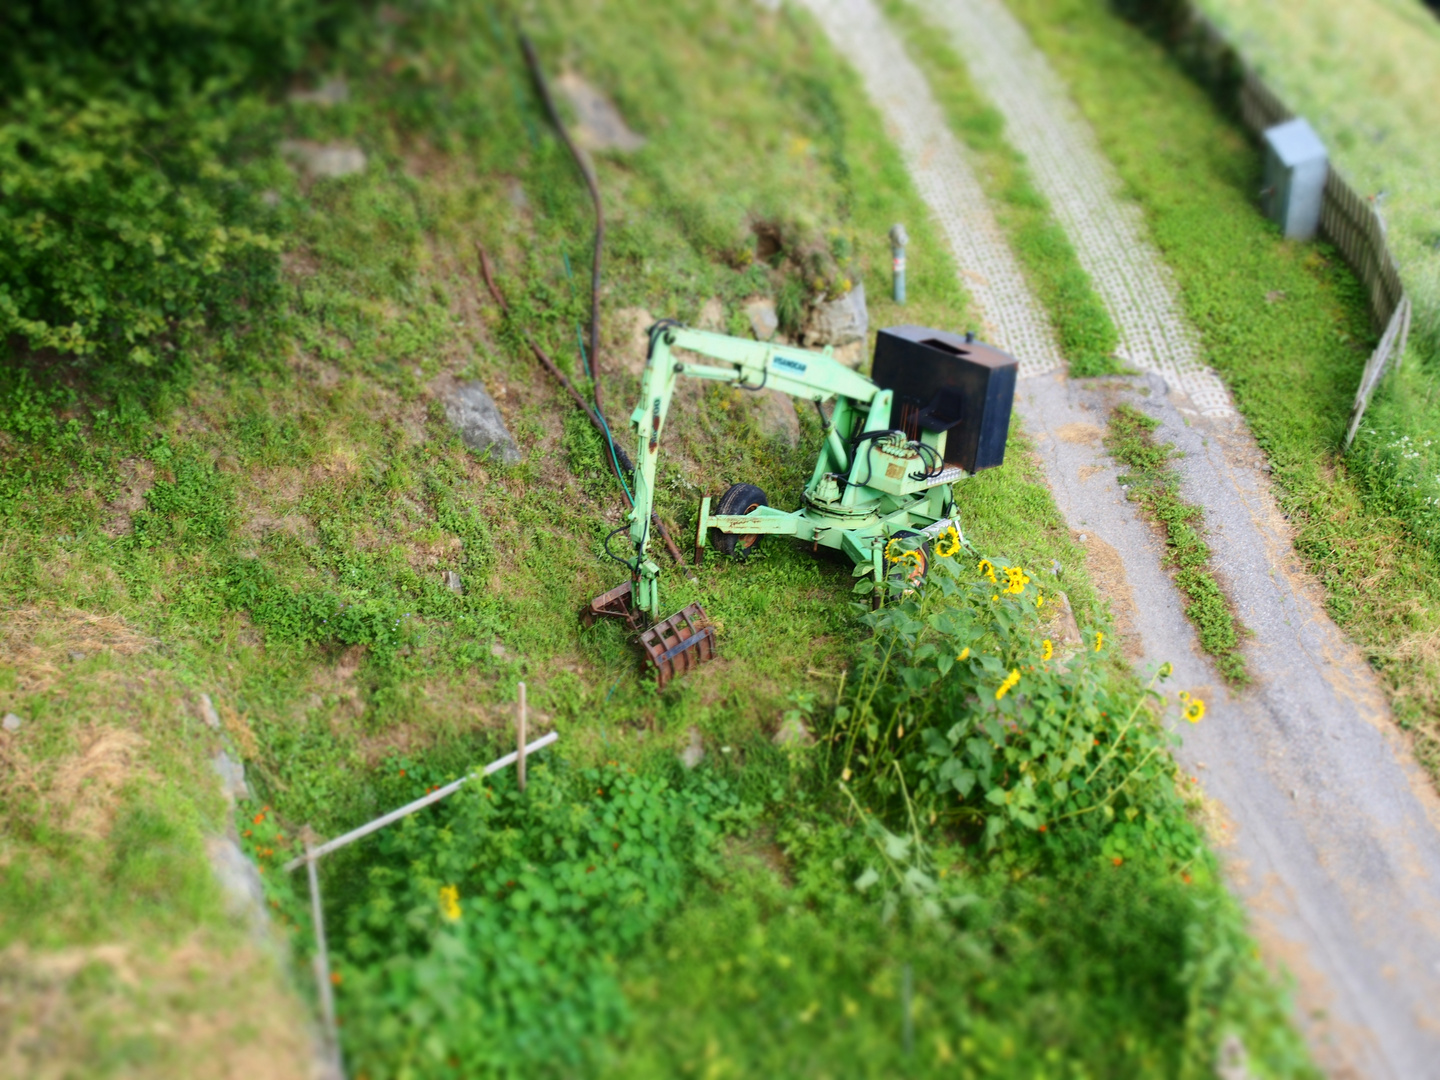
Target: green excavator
[936,410]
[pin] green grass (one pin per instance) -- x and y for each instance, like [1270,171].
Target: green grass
[1155,485]
[269,525]
[1083,327]
[779,972]
[1364,75]
[1284,323]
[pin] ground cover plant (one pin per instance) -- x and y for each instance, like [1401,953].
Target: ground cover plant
[1083,327]
[273,521]
[1155,485]
[1284,323]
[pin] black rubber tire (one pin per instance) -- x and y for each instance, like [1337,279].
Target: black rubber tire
[739,499]
[905,573]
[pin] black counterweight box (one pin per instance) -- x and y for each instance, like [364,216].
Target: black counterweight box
[946,382]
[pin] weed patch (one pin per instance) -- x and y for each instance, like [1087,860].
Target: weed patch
[1155,486]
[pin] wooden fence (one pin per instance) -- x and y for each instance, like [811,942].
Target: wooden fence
[1348,220]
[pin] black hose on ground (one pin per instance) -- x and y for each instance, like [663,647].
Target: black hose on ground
[587,170]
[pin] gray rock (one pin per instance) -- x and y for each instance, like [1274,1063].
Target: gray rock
[324,161]
[11,722]
[1233,1063]
[232,777]
[852,355]
[1060,624]
[474,414]
[208,713]
[600,125]
[76,656]
[776,417]
[239,882]
[452,581]
[839,321]
[712,316]
[330,92]
[763,320]
[694,751]
[793,732]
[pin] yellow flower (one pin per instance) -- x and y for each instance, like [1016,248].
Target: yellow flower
[1047,650]
[1195,710]
[1015,579]
[948,544]
[845,776]
[1009,684]
[1040,599]
[450,902]
[1099,640]
[994,598]
[987,570]
[964,653]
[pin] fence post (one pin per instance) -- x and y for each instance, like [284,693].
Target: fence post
[322,955]
[520,732]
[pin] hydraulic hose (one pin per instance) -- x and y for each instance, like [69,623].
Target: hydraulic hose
[587,170]
[488,273]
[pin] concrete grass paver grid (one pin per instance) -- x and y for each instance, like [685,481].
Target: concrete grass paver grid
[1010,316]
[1107,230]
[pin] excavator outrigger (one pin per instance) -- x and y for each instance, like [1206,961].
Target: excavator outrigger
[937,410]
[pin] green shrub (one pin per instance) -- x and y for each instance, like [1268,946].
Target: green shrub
[486,936]
[1092,971]
[963,708]
[130,215]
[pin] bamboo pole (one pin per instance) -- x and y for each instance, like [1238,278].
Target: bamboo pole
[520,738]
[322,955]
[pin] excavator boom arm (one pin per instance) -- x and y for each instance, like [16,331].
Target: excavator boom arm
[749,365]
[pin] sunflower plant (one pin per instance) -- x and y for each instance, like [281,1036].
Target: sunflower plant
[961,700]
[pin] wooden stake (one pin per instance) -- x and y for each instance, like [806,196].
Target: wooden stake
[322,954]
[520,758]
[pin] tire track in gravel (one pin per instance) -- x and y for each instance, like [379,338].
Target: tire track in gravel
[1107,230]
[1333,838]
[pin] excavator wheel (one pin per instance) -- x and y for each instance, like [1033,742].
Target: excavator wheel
[907,561]
[739,499]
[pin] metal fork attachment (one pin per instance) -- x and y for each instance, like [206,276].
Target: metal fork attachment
[679,644]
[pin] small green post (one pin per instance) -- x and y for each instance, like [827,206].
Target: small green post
[898,239]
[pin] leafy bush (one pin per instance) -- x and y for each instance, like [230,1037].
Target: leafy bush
[1396,456]
[126,220]
[1091,971]
[486,937]
[963,708]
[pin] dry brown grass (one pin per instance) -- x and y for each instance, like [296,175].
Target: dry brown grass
[37,641]
[85,788]
[195,1010]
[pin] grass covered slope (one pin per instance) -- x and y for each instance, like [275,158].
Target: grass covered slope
[271,522]
[1284,323]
